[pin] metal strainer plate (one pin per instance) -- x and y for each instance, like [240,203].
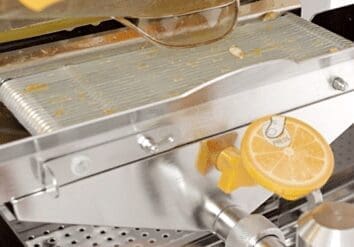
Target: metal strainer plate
[87,236]
[90,236]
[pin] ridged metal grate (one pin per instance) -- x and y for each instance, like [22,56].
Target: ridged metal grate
[141,74]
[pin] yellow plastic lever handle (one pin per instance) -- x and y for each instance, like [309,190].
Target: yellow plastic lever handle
[209,151]
[233,174]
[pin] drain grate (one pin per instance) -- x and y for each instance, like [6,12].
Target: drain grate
[99,236]
[74,93]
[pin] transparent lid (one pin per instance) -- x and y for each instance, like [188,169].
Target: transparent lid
[181,23]
[31,9]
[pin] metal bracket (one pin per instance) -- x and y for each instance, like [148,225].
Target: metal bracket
[49,185]
[45,174]
[48,180]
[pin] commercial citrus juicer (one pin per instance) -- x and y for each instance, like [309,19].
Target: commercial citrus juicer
[113,124]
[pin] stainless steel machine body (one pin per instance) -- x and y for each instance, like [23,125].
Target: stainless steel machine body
[116,132]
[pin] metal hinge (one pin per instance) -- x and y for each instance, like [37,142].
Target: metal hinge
[45,175]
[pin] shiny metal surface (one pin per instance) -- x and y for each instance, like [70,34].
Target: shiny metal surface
[339,84]
[45,102]
[329,224]
[226,221]
[237,228]
[312,7]
[343,193]
[99,184]
[39,233]
[252,230]
[270,242]
[173,193]
[81,167]
[55,148]
[87,236]
[340,191]
[175,115]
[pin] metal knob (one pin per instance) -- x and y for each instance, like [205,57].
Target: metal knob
[327,225]
[339,84]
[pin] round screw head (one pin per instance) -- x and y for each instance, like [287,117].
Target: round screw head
[339,84]
[80,165]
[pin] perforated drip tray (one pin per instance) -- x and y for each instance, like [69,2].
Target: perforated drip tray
[87,236]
